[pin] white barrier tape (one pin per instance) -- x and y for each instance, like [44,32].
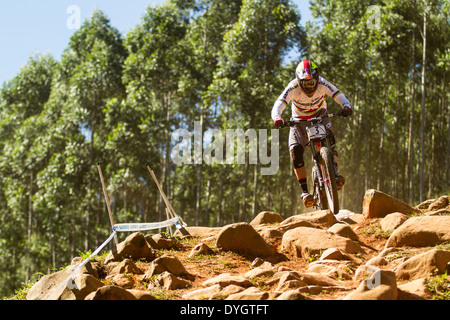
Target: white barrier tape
[132,227]
[124,227]
[78,268]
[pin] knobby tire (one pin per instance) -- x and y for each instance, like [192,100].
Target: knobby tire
[328,174]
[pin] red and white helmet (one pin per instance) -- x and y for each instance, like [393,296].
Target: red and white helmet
[307,74]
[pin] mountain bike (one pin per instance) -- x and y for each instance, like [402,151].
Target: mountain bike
[325,192]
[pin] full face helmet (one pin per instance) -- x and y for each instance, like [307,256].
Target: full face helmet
[307,74]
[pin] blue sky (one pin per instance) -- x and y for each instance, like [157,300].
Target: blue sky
[29,27]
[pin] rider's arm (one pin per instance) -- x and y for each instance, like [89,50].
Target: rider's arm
[335,93]
[283,101]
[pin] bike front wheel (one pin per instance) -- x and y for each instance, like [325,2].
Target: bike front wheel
[329,177]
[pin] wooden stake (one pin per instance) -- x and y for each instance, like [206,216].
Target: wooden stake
[107,201]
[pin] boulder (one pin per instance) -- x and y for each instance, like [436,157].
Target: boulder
[259,272]
[203,293]
[169,281]
[241,237]
[424,265]
[226,279]
[421,232]
[377,204]
[381,286]
[201,249]
[305,242]
[123,280]
[322,217]
[439,203]
[251,293]
[293,295]
[111,293]
[334,254]
[126,266]
[133,247]
[266,217]
[165,263]
[159,241]
[417,287]
[47,286]
[392,221]
[141,295]
[343,230]
[201,232]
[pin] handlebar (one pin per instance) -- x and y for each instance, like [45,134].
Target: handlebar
[294,122]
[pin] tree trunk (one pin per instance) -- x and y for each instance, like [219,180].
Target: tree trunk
[422,125]
[411,124]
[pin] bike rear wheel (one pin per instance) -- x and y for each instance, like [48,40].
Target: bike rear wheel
[327,169]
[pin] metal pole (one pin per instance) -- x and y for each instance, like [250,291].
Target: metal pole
[107,201]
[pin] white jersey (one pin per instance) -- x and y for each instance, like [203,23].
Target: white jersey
[304,107]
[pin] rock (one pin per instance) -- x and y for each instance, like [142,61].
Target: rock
[169,281]
[377,204]
[47,286]
[133,247]
[424,264]
[241,237]
[226,279]
[165,263]
[201,249]
[123,280]
[440,212]
[334,254]
[290,280]
[332,271]
[417,287]
[381,286]
[92,267]
[421,232]
[201,232]
[159,241]
[259,272]
[322,217]
[266,217]
[440,203]
[204,293]
[110,293]
[251,293]
[392,221]
[305,242]
[293,295]
[343,230]
[126,266]
[377,261]
[141,295]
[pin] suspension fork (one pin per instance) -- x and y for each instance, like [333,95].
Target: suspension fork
[315,148]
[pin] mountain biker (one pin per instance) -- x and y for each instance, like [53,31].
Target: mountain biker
[307,93]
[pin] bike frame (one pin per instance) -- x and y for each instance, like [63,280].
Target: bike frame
[316,145]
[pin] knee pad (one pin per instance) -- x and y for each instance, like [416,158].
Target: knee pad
[297,156]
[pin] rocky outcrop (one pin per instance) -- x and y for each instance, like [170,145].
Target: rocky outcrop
[388,255]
